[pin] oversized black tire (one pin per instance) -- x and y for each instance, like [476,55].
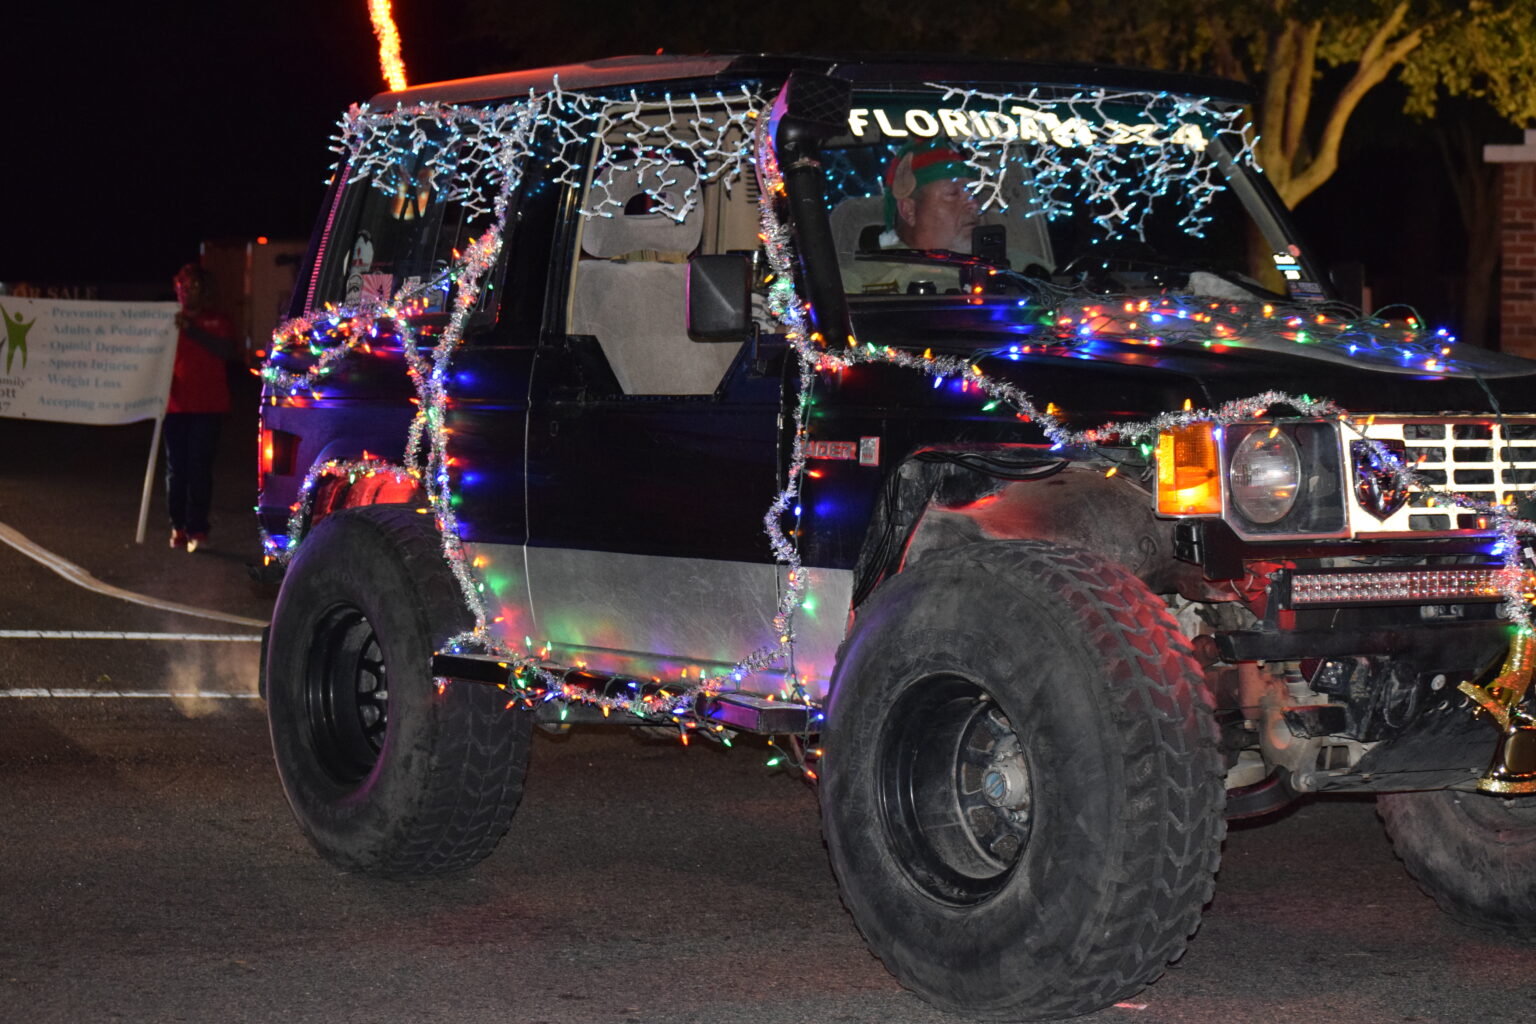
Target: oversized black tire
[1021,793]
[385,774]
[1475,853]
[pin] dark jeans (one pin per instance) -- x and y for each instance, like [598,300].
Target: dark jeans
[191,442]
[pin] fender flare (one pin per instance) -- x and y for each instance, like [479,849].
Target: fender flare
[933,502]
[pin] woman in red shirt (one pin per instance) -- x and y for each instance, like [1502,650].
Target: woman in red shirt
[198,401]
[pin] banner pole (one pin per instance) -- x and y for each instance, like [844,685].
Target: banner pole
[154,441]
[149,479]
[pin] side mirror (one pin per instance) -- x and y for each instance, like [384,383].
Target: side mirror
[720,297]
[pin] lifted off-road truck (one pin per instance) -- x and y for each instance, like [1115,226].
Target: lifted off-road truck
[633,393]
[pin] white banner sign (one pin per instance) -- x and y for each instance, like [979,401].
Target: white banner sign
[85,362]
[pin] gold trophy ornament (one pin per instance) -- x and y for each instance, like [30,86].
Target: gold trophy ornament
[1514,759]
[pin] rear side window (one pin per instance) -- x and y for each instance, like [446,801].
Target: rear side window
[396,235]
[650,209]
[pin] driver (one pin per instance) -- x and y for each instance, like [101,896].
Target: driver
[928,202]
[928,205]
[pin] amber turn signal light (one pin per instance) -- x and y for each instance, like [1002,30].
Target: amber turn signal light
[1188,472]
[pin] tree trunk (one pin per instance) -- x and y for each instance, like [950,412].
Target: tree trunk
[1481,296]
[1479,201]
[1296,165]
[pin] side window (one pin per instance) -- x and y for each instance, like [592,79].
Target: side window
[630,274]
[517,288]
[402,235]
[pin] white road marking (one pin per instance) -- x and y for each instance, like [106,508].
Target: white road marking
[81,578]
[100,634]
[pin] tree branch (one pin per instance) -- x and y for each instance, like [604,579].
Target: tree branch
[1377,60]
[1301,87]
[1385,31]
[1279,67]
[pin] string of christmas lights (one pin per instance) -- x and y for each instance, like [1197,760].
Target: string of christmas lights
[1055,138]
[655,139]
[471,152]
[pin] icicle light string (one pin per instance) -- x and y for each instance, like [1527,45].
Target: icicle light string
[472,150]
[1053,136]
[479,152]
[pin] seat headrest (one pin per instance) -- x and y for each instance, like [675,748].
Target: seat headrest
[637,225]
[852,221]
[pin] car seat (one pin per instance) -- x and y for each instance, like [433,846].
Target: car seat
[631,289]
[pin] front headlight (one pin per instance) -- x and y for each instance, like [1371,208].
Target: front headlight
[1283,479]
[1265,476]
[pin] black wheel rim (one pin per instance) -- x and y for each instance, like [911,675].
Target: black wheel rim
[346,695]
[956,789]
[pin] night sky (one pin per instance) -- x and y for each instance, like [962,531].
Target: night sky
[135,132]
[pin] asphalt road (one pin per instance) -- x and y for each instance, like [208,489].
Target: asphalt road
[149,869]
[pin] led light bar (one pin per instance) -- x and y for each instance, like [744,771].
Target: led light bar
[1415,586]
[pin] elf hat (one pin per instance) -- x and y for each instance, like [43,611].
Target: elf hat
[918,164]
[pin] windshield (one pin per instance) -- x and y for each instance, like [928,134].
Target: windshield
[1119,193]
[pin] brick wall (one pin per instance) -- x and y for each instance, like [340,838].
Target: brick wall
[1517,305]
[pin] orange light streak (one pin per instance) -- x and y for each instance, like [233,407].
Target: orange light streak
[389,43]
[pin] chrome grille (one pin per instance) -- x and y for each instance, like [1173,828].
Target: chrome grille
[1485,460]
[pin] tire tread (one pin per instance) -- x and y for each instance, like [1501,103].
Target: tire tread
[457,802]
[476,778]
[1175,791]
[1483,879]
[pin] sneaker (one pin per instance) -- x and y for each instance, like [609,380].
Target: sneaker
[178,538]
[194,539]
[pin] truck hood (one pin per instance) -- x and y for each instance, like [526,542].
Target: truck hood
[1113,374]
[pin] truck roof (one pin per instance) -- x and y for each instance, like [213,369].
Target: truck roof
[857,68]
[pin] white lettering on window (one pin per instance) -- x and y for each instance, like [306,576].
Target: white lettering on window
[955,123]
[921,122]
[887,127]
